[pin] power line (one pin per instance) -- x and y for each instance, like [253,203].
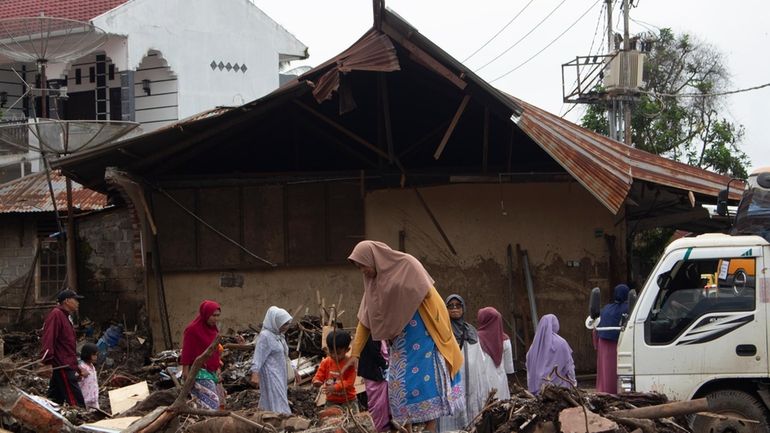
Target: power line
[590,53]
[500,31]
[549,44]
[523,37]
[596,31]
[703,95]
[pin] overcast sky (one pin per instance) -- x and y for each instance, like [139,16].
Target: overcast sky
[739,30]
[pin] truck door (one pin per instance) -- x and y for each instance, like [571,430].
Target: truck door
[704,323]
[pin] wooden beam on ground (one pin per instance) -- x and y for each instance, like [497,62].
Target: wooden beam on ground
[424,58]
[452,125]
[435,221]
[343,130]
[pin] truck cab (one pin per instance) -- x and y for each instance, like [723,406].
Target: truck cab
[700,325]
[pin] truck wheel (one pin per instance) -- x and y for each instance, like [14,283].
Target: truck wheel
[732,403]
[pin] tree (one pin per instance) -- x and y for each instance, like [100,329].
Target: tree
[683,128]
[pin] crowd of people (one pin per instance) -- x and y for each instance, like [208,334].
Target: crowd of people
[421,359]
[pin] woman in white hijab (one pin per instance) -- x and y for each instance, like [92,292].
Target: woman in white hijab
[268,367]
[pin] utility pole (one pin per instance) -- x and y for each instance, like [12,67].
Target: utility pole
[616,74]
[612,120]
[626,77]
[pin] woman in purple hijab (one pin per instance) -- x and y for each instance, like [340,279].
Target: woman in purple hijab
[549,351]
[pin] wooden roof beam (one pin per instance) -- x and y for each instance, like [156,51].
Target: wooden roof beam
[452,125]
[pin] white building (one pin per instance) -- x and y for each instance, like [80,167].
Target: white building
[163,61]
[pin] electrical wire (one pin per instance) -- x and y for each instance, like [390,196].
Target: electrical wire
[549,44]
[704,95]
[596,31]
[590,53]
[523,37]
[499,31]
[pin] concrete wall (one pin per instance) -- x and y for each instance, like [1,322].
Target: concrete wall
[110,273]
[560,224]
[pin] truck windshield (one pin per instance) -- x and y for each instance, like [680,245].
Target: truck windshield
[753,217]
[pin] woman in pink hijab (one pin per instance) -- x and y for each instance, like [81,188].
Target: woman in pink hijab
[498,353]
[401,306]
[549,352]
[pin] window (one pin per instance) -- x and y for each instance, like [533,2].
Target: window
[52,268]
[692,289]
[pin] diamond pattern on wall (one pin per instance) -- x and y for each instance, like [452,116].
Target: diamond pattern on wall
[229,66]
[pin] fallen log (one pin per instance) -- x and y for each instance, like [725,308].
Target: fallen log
[156,421]
[666,410]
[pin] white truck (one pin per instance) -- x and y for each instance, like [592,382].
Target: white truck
[699,327]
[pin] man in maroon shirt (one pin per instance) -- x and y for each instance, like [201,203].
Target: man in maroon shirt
[59,351]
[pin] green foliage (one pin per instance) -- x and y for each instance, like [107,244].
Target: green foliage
[692,130]
[648,246]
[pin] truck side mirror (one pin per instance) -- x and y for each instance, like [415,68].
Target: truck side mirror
[631,300]
[763,180]
[595,303]
[722,198]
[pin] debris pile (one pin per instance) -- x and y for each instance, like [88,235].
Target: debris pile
[125,363]
[572,410]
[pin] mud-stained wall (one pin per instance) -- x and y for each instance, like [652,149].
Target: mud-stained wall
[562,227]
[287,288]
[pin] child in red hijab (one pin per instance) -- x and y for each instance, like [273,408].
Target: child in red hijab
[197,338]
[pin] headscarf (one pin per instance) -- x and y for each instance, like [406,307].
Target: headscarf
[198,336]
[491,333]
[548,350]
[394,294]
[274,319]
[462,330]
[612,313]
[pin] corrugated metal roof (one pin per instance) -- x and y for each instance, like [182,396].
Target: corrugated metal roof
[31,194]
[606,167]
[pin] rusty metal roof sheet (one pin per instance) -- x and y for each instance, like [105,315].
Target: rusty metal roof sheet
[373,52]
[606,167]
[31,194]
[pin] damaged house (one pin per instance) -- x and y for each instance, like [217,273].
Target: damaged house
[392,140]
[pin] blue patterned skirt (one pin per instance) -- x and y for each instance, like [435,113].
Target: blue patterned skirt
[419,386]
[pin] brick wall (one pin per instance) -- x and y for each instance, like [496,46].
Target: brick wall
[110,273]
[17,253]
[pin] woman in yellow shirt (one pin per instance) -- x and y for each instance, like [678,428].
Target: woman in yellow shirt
[401,306]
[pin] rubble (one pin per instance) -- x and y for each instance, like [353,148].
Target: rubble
[128,362]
